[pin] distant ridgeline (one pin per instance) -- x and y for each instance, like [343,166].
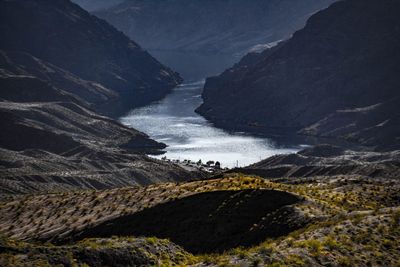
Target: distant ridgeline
[96,5]
[338,77]
[209,26]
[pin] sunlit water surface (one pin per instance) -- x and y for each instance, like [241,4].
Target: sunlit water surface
[190,136]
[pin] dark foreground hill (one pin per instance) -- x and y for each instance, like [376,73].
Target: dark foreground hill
[65,35]
[337,77]
[236,220]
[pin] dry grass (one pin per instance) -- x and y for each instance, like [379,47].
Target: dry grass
[356,223]
[44,216]
[355,220]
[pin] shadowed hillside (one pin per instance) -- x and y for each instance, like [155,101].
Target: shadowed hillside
[352,221]
[210,222]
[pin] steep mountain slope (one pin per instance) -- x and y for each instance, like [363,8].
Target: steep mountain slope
[337,77]
[65,35]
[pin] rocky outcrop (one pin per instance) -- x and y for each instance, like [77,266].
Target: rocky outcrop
[66,36]
[337,77]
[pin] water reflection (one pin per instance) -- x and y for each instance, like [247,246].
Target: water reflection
[189,136]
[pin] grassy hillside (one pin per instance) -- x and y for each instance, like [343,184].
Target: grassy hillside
[345,221]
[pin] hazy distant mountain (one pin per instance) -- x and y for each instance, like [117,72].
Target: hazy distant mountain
[200,38]
[68,37]
[95,5]
[337,77]
[213,26]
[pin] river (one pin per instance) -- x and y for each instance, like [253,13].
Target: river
[190,136]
